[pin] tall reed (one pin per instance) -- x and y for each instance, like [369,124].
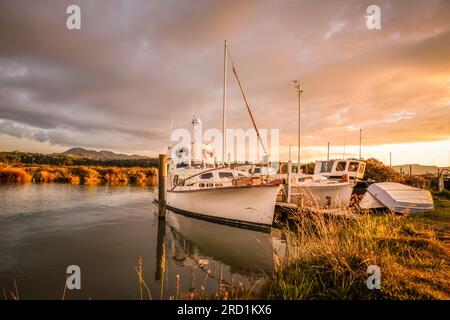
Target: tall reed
[14,175]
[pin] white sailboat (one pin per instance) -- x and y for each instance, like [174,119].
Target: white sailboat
[201,188]
[222,194]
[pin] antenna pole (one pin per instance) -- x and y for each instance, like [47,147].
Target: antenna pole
[300,91]
[328,152]
[345,144]
[224,110]
[360,140]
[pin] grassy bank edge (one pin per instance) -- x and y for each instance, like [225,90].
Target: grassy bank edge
[328,258]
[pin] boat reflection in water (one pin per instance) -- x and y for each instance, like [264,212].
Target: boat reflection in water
[228,255]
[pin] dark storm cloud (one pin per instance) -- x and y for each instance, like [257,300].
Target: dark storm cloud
[116,82]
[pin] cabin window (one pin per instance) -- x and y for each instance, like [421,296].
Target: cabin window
[210,185]
[219,185]
[182,165]
[226,175]
[362,167]
[353,166]
[201,185]
[205,176]
[341,166]
[326,166]
[175,180]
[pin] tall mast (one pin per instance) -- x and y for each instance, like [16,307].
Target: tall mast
[224,110]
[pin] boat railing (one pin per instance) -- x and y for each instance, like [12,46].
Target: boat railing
[182,182]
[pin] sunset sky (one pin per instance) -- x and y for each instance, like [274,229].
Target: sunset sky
[115,83]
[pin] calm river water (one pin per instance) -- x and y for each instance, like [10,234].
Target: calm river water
[44,228]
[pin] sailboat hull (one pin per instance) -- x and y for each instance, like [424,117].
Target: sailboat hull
[250,206]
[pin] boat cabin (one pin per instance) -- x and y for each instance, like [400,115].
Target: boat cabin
[262,171]
[335,169]
[199,178]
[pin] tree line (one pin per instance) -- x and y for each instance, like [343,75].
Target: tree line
[68,160]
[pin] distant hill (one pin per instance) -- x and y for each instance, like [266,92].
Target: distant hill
[417,168]
[100,155]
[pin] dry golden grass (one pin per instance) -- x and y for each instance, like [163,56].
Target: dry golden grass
[77,175]
[328,259]
[13,175]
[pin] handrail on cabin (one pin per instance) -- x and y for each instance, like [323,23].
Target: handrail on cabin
[214,169]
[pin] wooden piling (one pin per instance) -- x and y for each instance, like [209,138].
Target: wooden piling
[162,174]
[441,182]
[288,182]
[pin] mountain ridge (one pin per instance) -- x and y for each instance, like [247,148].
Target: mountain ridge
[417,168]
[99,155]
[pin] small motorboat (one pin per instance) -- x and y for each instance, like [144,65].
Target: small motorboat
[330,187]
[316,192]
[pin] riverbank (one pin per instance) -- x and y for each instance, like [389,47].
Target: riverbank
[328,258]
[86,175]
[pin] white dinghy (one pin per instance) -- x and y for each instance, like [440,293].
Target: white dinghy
[397,197]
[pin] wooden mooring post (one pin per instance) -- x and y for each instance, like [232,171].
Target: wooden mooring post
[288,182]
[162,174]
[441,182]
